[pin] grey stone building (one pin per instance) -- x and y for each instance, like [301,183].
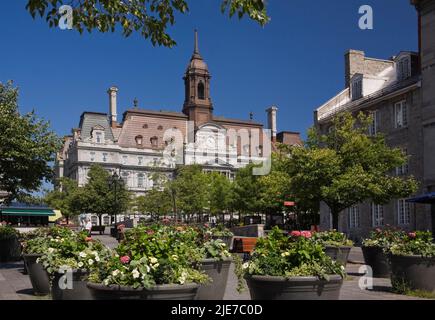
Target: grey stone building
[400,94]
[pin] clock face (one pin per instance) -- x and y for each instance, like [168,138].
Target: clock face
[210,142]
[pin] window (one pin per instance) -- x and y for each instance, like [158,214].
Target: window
[353,217]
[160,128]
[139,140]
[403,69]
[403,213]
[124,159]
[105,157]
[94,220]
[377,215]
[106,220]
[403,169]
[400,114]
[201,90]
[92,156]
[356,89]
[145,126]
[139,161]
[154,142]
[373,129]
[140,180]
[124,177]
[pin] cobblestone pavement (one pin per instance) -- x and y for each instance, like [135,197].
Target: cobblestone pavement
[14,285]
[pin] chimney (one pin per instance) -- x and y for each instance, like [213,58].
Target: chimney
[112,105]
[271,121]
[354,63]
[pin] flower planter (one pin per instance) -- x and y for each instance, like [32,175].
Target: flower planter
[79,290]
[218,272]
[227,240]
[10,249]
[158,292]
[295,288]
[339,254]
[378,261]
[38,276]
[416,272]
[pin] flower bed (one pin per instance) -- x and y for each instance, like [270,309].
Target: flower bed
[295,267]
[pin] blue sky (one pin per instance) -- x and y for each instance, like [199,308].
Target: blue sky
[295,62]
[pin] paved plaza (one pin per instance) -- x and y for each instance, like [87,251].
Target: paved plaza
[15,285]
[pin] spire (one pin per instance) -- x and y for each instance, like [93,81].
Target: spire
[196,50]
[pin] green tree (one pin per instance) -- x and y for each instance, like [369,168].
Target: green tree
[66,198]
[98,196]
[346,167]
[190,186]
[150,18]
[219,194]
[27,147]
[156,202]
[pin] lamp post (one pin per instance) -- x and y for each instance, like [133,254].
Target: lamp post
[114,182]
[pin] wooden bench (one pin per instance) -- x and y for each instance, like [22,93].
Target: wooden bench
[244,244]
[100,229]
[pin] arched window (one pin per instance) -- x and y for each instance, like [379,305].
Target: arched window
[139,140]
[154,142]
[201,91]
[140,180]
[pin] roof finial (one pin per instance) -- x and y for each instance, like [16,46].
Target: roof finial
[251,115]
[196,50]
[135,103]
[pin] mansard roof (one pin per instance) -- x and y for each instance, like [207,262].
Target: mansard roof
[90,120]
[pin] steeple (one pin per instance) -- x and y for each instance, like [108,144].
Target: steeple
[197,103]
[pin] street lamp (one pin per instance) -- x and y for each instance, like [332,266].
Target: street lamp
[114,183]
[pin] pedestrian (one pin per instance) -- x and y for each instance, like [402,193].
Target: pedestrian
[88,226]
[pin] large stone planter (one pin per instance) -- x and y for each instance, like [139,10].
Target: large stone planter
[38,276]
[218,272]
[295,288]
[413,272]
[158,292]
[79,290]
[339,254]
[10,249]
[378,261]
[227,240]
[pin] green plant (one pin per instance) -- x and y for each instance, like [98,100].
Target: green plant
[220,231]
[332,238]
[415,243]
[153,255]
[280,255]
[215,249]
[384,238]
[8,232]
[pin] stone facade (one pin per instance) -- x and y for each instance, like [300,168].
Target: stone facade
[400,93]
[148,141]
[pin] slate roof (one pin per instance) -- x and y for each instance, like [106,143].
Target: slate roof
[89,120]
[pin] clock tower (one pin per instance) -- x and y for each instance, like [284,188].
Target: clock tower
[197,103]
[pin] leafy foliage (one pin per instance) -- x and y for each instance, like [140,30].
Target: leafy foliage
[347,166]
[27,147]
[332,238]
[384,238]
[215,249]
[280,255]
[8,232]
[418,243]
[150,18]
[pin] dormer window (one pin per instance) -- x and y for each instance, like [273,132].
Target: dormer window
[357,87]
[154,142]
[145,126]
[201,91]
[403,68]
[139,140]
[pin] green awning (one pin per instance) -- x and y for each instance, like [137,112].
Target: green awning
[36,212]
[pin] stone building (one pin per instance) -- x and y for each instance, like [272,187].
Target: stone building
[400,94]
[143,141]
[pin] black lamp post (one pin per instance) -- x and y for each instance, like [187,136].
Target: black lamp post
[114,182]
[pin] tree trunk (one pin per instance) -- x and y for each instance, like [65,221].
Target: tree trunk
[335,220]
[100,219]
[67,220]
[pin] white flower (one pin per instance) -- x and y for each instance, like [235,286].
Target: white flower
[153,260]
[136,274]
[148,268]
[82,254]
[175,257]
[91,262]
[80,264]
[50,250]
[97,258]
[245,265]
[115,273]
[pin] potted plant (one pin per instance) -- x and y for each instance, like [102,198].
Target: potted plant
[216,264]
[9,244]
[69,260]
[376,247]
[35,244]
[336,244]
[222,233]
[151,263]
[292,268]
[413,263]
